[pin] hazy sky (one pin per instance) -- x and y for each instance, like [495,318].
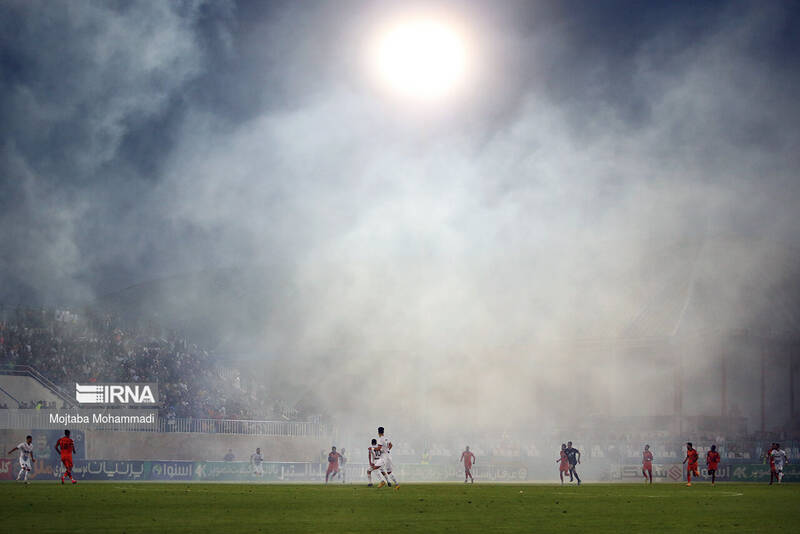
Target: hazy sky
[141,139]
[151,139]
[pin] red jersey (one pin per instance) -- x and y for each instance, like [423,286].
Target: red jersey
[564,466]
[66,446]
[647,457]
[468,458]
[333,458]
[712,459]
[693,456]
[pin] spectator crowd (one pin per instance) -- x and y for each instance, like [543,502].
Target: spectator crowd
[90,347]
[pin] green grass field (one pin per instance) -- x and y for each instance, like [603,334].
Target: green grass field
[174,507]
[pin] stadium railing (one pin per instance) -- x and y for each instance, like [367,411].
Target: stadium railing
[25,370]
[244,427]
[40,419]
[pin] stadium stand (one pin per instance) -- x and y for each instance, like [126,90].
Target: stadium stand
[87,347]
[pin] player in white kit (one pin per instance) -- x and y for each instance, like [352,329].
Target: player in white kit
[385,446]
[25,457]
[375,463]
[780,459]
[256,460]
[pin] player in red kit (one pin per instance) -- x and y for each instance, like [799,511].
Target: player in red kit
[333,464]
[692,469]
[712,461]
[773,473]
[647,463]
[65,447]
[468,458]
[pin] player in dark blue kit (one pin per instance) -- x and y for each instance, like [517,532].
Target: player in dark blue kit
[574,458]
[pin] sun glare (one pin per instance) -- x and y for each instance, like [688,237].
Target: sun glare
[423,59]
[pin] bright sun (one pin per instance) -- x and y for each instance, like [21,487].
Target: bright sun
[423,59]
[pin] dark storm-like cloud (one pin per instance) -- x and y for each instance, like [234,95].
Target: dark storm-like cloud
[91,91]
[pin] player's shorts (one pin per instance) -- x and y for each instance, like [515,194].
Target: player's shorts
[67,461]
[467,468]
[258,469]
[387,463]
[25,464]
[379,462]
[564,468]
[779,468]
[712,467]
[693,469]
[711,471]
[772,468]
[647,466]
[332,468]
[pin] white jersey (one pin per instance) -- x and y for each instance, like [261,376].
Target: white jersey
[384,442]
[778,458]
[25,451]
[256,459]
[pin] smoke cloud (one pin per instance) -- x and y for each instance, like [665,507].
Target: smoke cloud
[611,173]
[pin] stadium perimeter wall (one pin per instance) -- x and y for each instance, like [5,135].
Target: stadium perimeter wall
[51,469]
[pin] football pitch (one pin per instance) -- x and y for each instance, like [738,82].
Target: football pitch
[174,507]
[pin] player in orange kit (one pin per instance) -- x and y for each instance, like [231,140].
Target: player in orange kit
[65,447]
[468,458]
[712,461]
[691,457]
[647,463]
[333,464]
[563,462]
